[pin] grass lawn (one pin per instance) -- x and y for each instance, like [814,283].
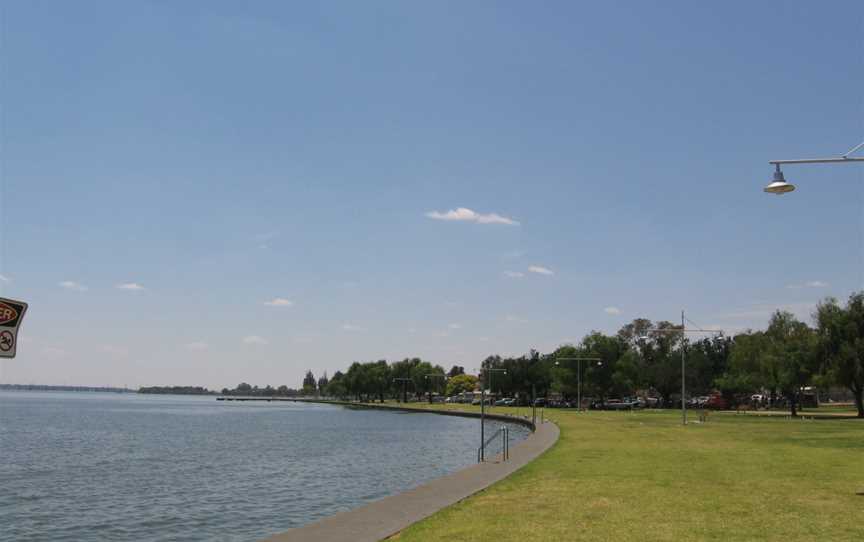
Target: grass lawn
[642,476]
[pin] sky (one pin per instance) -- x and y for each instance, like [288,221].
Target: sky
[206,193]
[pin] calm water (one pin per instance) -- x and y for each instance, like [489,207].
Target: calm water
[95,466]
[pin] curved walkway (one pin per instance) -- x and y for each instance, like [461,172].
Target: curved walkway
[386,517]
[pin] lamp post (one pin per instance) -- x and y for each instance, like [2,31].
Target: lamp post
[579,361]
[488,372]
[430,376]
[683,368]
[779,186]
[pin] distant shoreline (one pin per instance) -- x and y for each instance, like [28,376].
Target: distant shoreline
[47,387]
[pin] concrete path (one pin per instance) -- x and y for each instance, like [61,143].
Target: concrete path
[386,517]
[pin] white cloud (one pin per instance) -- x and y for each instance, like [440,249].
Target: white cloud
[809,284]
[512,318]
[254,339]
[133,286]
[351,327]
[72,285]
[279,302]
[612,310]
[467,215]
[540,270]
[455,326]
[201,345]
[514,274]
[4,278]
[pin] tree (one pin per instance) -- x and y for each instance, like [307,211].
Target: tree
[357,381]
[401,370]
[309,385]
[794,346]
[460,384]
[751,366]
[841,339]
[378,377]
[322,384]
[659,354]
[336,386]
[456,370]
[422,384]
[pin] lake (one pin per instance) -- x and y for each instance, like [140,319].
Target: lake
[100,466]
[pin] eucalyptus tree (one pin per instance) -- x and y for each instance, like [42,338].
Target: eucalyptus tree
[793,346]
[841,339]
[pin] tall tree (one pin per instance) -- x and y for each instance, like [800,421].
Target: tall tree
[322,383]
[461,383]
[793,345]
[456,370]
[841,338]
[309,384]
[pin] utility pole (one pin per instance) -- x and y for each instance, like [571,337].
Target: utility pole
[683,369]
[682,331]
[579,361]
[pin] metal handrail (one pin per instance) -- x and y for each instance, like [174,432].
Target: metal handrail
[504,431]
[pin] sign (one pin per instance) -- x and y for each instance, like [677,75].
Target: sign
[11,314]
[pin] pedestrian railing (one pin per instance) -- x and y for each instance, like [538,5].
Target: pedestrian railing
[503,433]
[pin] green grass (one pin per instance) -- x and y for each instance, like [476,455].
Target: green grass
[642,476]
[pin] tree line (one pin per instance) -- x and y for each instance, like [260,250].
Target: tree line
[644,357]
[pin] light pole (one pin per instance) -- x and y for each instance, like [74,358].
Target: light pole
[488,372]
[434,375]
[579,361]
[779,185]
[683,330]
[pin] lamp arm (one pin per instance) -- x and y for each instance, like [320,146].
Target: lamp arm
[855,148]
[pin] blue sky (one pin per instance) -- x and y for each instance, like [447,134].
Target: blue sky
[212,157]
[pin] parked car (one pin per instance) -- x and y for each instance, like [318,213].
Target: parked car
[716,401]
[540,402]
[616,404]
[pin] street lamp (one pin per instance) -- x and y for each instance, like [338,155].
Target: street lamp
[489,372]
[579,375]
[779,185]
[683,381]
[434,375]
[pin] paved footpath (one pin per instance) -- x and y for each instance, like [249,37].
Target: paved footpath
[386,517]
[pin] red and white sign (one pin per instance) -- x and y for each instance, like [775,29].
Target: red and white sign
[11,314]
